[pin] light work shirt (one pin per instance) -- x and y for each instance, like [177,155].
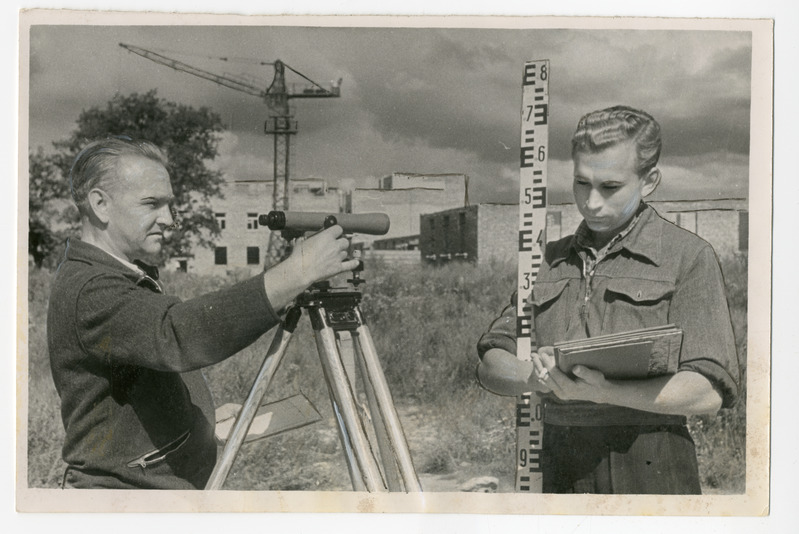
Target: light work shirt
[655,275]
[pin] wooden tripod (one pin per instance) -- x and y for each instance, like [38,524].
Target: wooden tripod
[385,467]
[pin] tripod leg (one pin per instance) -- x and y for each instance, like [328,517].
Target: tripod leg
[344,404]
[388,412]
[352,464]
[250,407]
[388,460]
[346,352]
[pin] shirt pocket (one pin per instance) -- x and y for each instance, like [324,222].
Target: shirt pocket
[550,310]
[633,303]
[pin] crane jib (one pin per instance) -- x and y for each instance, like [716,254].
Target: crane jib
[278,86]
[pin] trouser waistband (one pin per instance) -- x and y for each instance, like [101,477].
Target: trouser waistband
[590,414]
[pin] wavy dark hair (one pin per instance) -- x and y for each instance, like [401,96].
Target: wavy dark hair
[604,128]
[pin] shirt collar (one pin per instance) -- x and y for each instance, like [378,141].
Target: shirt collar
[584,238]
[646,238]
[643,239]
[138,271]
[149,270]
[132,266]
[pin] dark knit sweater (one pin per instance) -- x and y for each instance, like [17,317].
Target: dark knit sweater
[125,360]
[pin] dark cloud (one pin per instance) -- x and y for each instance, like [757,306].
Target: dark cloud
[455,95]
[724,127]
[418,100]
[464,94]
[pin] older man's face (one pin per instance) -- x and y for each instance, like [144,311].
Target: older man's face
[140,208]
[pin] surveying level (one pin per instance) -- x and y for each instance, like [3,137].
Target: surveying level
[377,454]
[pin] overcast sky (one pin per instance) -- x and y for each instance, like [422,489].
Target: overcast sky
[420,100]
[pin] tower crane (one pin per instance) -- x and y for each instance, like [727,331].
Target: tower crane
[280,123]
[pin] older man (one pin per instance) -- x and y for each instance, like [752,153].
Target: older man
[125,356]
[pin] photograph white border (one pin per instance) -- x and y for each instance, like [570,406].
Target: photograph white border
[759,328]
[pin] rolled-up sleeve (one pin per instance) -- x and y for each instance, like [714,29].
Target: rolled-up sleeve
[699,307]
[501,334]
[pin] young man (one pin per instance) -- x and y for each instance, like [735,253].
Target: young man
[125,357]
[625,268]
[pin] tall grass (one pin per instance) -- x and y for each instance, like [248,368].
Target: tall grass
[425,323]
[45,431]
[721,439]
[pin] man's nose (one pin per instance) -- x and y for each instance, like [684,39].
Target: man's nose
[165,216]
[594,200]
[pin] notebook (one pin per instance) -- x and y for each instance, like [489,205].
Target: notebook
[635,354]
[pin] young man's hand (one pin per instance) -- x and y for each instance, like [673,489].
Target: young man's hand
[587,384]
[684,393]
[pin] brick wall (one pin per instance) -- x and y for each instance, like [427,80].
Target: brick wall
[415,195]
[716,221]
[498,232]
[449,235]
[490,231]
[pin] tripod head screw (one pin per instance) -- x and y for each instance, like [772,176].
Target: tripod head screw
[356,279]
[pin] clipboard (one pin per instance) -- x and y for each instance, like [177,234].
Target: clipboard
[626,355]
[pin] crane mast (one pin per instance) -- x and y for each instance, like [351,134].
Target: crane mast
[280,123]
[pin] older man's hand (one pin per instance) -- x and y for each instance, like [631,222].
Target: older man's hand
[313,259]
[321,256]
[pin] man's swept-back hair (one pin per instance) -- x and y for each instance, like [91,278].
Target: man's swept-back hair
[605,128]
[96,164]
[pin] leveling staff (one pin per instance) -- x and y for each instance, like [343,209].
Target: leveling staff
[624,269]
[125,357]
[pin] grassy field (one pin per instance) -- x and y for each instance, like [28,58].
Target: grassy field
[425,323]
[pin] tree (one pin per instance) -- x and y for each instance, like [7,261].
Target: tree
[51,217]
[188,136]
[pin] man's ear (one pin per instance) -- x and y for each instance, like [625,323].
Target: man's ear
[651,182]
[99,203]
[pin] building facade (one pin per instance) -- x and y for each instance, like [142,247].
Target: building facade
[404,197]
[431,221]
[489,232]
[242,245]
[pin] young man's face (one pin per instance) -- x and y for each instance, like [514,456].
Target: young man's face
[607,188]
[139,208]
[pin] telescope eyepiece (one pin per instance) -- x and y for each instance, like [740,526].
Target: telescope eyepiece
[274,220]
